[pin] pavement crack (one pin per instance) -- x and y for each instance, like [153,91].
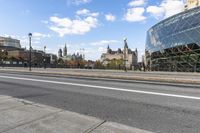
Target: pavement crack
[26,103]
[95,127]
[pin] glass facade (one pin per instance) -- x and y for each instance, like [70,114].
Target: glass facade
[174,43]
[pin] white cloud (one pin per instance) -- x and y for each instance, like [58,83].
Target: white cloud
[110,17]
[51,50]
[40,35]
[172,7]
[104,42]
[135,14]
[141,52]
[93,53]
[66,26]
[166,9]
[78,2]
[156,11]
[102,49]
[78,26]
[86,12]
[136,3]
[82,12]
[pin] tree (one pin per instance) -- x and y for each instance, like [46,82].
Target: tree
[13,58]
[98,65]
[115,64]
[60,61]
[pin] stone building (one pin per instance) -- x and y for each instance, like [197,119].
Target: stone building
[192,4]
[11,51]
[9,42]
[129,57]
[62,54]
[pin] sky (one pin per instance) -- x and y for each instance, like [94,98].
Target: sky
[85,26]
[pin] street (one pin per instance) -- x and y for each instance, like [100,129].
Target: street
[148,106]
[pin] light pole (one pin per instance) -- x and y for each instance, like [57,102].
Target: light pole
[2,57]
[30,35]
[44,57]
[125,61]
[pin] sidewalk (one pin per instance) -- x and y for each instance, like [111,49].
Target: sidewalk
[171,77]
[22,116]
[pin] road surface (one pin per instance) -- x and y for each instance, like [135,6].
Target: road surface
[152,107]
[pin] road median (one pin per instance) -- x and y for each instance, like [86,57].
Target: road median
[187,78]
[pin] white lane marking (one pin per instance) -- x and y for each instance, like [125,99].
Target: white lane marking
[104,87]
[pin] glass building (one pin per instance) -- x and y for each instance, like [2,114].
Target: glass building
[174,43]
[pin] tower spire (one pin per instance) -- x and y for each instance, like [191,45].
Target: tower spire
[65,50]
[60,53]
[108,50]
[108,47]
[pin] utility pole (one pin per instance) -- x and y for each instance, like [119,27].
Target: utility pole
[30,35]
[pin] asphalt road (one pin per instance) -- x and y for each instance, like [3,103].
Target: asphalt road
[152,107]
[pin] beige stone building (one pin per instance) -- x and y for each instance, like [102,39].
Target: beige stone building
[129,57]
[9,42]
[192,4]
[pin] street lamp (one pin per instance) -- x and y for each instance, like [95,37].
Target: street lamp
[2,58]
[125,58]
[30,35]
[44,57]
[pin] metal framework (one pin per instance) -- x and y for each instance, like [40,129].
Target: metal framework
[185,58]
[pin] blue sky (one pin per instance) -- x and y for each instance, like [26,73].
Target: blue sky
[88,24]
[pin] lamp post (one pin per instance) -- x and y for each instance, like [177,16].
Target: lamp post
[125,69]
[2,57]
[30,35]
[125,53]
[44,57]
